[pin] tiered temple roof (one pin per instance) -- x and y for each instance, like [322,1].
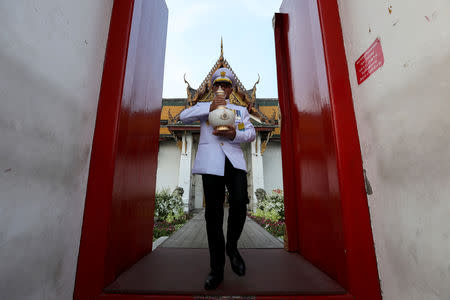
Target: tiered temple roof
[239,96]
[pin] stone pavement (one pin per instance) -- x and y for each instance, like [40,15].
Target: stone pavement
[193,234]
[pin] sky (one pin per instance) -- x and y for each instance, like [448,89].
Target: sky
[193,43]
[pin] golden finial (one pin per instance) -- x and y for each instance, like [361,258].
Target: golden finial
[221,47]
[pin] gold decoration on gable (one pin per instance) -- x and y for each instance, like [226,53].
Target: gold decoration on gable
[266,141]
[235,98]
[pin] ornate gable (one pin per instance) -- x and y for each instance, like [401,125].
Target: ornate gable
[240,95]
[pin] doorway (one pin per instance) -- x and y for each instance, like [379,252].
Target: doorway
[334,236]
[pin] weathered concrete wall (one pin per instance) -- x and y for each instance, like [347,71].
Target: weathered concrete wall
[51,59]
[402,112]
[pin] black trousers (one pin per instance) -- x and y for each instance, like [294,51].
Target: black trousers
[214,189]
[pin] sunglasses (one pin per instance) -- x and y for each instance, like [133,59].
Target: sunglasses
[224,85]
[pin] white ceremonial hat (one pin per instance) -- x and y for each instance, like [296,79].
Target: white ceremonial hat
[223,75]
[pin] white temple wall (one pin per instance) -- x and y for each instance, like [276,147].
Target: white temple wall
[197,191]
[273,171]
[257,172]
[168,166]
[51,63]
[248,159]
[196,180]
[402,114]
[185,170]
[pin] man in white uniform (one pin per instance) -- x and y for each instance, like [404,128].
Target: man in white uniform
[221,162]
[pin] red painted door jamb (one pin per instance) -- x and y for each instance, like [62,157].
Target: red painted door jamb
[90,275]
[361,261]
[285,98]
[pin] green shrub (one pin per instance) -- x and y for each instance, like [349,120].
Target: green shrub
[168,207]
[270,213]
[267,214]
[272,207]
[169,214]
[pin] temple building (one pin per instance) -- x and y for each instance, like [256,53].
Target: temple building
[178,142]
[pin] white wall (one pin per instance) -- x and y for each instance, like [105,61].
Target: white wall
[257,170]
[248,160]
[168,166]
[403,116]
[196,180]
[51,59]
[197,190]
[273,170]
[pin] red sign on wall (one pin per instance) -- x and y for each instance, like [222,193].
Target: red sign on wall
[369,62]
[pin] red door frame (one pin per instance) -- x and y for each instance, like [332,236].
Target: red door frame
[90,277]
[359,273]
[361,270]
[118,215]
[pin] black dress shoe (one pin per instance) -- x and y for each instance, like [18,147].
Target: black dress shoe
[237,263]
[213,280]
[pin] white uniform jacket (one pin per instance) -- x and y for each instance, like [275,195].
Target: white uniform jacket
[212,149]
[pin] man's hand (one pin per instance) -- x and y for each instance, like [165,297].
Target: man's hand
[217,101]
[230,133]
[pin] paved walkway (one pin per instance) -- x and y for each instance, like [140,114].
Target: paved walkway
[193,235]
